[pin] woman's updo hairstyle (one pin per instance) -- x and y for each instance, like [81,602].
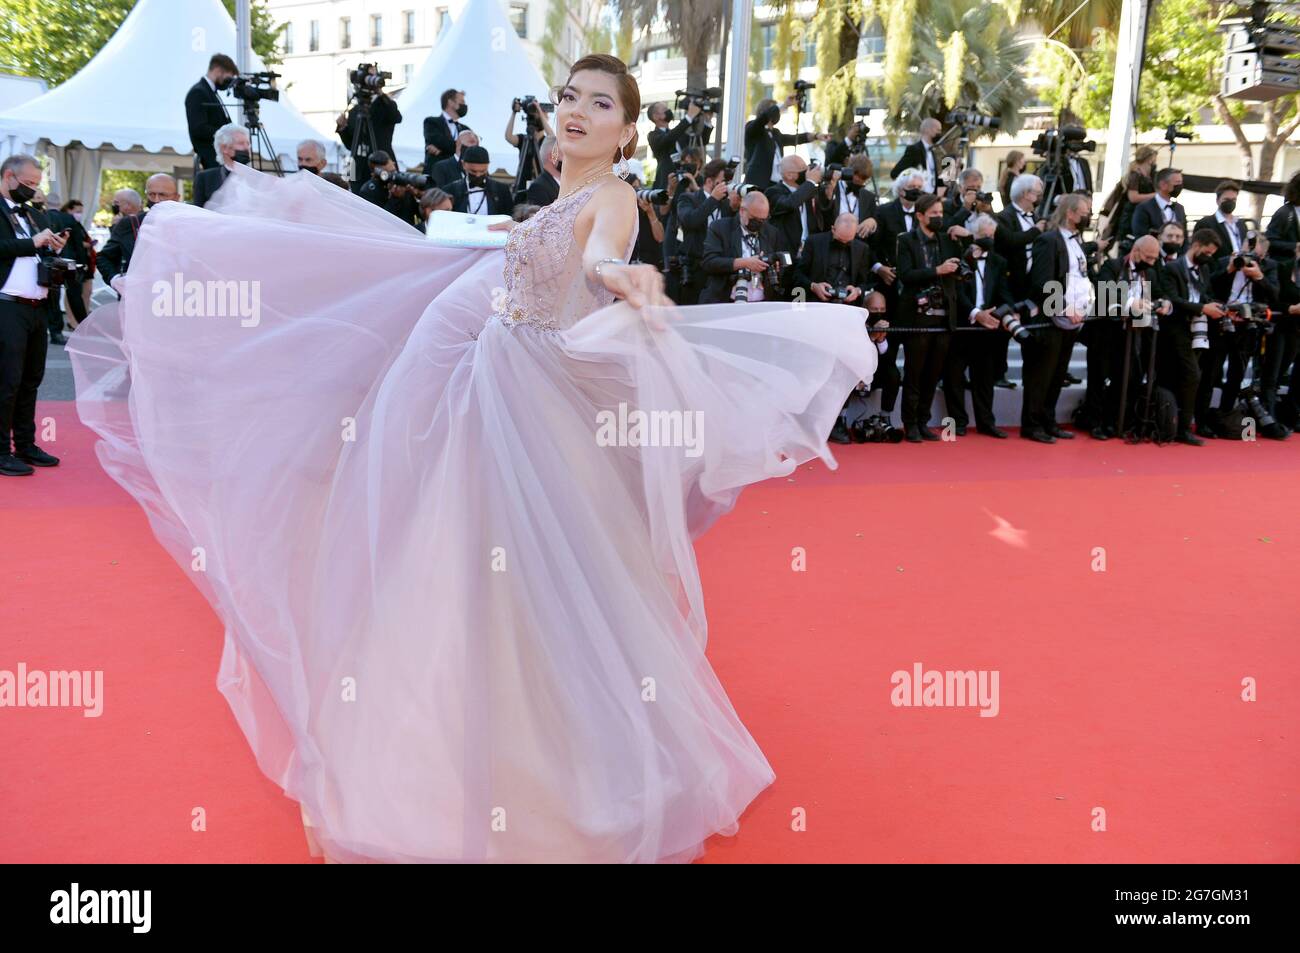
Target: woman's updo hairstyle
[629,94]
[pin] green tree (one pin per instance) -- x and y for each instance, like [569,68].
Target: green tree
[53,39]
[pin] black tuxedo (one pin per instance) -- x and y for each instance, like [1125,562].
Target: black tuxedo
[500,201]
[784,211]
[914,158]
[384,117]
[664,142]
[24,337]
[1047,352]
[891,225]
[762,144]
[980,351]
[1014,243]
[543,191]
[206,184]
[837,152]
[438,132]
[722,245]
[1178,366]
[1105,341]
[1279,350]
[1225,242]
[828,209]
[1085,181]
[814,265]
[204,114]
[1149,219]
[446,171]
[115,257]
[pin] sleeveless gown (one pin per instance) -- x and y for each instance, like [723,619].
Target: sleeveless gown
[462,621]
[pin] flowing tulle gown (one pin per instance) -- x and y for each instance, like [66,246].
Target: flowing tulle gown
[462,621]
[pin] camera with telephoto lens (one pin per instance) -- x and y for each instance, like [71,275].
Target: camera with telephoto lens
[1246,312]
[653,196]
[743,188]
[1011,314]
[777,262]
[931,300]
[365,85]
[968,117]
[414,179]
[1053,142]
[52,271]
[709,100]
[532,108]
[876,428]
[801,87]
[1201,331]
[255,87]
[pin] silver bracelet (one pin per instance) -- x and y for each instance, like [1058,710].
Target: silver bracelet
[596,269]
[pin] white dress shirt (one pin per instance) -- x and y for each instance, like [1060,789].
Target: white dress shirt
[803,214]
[1166,208]
[848,199]
[1078,289]
[21,282]
[1193,279]
[1026,220]
[750,246]
[1230,226]
[980,264]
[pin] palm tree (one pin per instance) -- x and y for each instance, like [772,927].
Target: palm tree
[694,25]
[963,54]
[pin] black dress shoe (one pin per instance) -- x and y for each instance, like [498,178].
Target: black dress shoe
[1071,379]
[912,434]
[12,466]
[928,434]
[1060,433]
[960,430]
[1207,432]
[58,339]
[36,457]
[1041,436]
[1190,439]
[1003,382]
[840,433]
[992,432]
[1101,432]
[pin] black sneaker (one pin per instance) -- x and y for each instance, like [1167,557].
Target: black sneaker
[36,457]
[12,466]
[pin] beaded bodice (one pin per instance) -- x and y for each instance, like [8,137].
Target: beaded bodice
[545,285]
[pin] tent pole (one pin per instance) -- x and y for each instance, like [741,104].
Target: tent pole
[243,41]
[742,12]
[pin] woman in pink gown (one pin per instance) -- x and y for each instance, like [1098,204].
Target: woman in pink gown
[463,619]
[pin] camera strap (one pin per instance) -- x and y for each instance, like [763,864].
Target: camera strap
[21,220]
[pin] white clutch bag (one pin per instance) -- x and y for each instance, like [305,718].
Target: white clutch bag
[463,230]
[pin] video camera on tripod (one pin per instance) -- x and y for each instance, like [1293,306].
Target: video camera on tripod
[367,81]
[532,107]
[1172,131]
[413,179]
[968,117]
[252,88]
[709,100]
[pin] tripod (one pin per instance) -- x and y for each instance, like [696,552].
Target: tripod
[530,160]
[364,141]
[259,140]
[1145,426]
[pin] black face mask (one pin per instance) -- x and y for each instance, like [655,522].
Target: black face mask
[934,222]
[911,194]
[21,193]
[461,110]
[225,83]
[476,181]
[1228,206]
[39,206]
[311,169]
[243,158]
[1140,266]
[755,224]
[773,114]
[1204,258]
[802,178]
[667,115]
[149,203]
[1085,222]
[1176,191]
[116,209]
[1171,248]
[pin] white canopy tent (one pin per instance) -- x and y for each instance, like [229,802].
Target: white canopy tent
[480,53]
[125,108]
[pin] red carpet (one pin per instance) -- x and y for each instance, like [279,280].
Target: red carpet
[1119,690]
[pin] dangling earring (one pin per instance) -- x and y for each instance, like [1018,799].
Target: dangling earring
[622,169]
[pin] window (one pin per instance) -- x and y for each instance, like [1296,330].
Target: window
[872,45]
[313,39]
[407,72]
[287,37]
[769,44]
[444,19]
[519,19]
[809,48]
[408,27]
[345,33]
[376,29]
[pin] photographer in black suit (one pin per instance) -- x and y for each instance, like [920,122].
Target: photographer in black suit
[448,170]
[233,147]
[979,294]
[1151,215]
[733,243]
[1245,280]
[24,337]
[835,266]
[665,139]
[765,144]
[696,210]
[795,212]
[352,132]
[1121,284]
[204,111]
[1060,284]
[381,189]
[928,261]
[115,256]
[968,199]
[1280,346]
[545,189]
[894,220]
[1231,230]
[440,131]
[1186,283]
[1019,225]
[478,193]
[839,151]
[921,154]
